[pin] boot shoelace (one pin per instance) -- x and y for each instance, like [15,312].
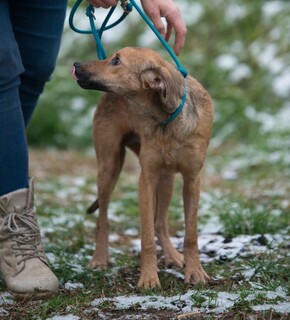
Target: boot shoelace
[25,233]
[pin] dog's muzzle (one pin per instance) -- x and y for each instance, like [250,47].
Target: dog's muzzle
[84,78]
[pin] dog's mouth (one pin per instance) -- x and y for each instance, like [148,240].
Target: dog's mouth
[84,79]
[92,85]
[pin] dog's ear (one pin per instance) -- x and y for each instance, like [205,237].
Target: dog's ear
[152,78]
[167,83]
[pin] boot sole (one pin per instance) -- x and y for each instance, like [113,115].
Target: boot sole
[33,295]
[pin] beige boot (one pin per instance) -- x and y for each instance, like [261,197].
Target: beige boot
[23,264]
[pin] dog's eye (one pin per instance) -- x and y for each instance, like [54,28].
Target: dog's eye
[116,61]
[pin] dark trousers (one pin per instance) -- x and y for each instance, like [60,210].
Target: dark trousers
[30,34]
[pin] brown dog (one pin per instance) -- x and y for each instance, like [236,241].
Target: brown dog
[143,90]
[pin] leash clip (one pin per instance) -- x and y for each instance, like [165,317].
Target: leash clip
[126,5]
[90,12]
[93,15]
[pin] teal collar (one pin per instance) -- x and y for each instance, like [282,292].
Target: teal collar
[177,111]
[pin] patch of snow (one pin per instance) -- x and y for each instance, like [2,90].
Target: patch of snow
[214,302]
[224,301]
[67,317]
[216,247]
[72,286]
[5,298]
[51,257]
[280,292]
[114,237]
[280,307]
[131,232]
[272,8]
[175,273]
[182,303]
[212,226]
[191,11]
[281,83]
[267,56]
[226,61]
[78,103]
[3,312]
[270,295]
[278,122]
[229,174]
[248,273]
[235,12]
[241,71]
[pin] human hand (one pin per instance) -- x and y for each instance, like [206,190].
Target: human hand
[156,9]
[103,3]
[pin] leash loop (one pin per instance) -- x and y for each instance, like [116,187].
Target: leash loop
[97,33]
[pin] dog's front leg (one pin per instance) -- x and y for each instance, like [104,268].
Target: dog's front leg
[147,193]
[194,272]
[163,197]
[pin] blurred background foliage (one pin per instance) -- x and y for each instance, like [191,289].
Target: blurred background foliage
[238,49]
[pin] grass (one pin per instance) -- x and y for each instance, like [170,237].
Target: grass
[239,284]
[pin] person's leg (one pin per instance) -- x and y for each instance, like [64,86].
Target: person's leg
[13,146]
[37,25]
[23,265]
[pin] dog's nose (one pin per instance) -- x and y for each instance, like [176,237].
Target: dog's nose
[77,65]
[74,69]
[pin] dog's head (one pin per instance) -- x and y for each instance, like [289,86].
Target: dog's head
[133,72]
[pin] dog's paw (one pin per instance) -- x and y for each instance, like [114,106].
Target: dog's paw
[148,280]
[96,264]
[174,259]
[100,259]
[196,275]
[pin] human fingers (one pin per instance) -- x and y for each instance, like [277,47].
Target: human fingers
[153,12]
[103,3]
[156,9]
[180,34]
[175,21]
[168,31]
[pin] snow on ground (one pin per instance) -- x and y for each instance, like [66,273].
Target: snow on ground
[186,303]
[215,247]
[212,247]
[67,317]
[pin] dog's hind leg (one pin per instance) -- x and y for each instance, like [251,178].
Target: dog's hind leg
[194,272]
[164,194]
[109,167]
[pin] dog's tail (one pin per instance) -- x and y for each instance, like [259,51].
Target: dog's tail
[93,207]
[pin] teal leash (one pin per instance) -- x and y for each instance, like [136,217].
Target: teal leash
[97,33]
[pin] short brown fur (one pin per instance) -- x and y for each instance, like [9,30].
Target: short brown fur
[142,90]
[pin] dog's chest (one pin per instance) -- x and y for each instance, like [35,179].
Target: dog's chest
[168,157]
[171,155]
[167,151]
